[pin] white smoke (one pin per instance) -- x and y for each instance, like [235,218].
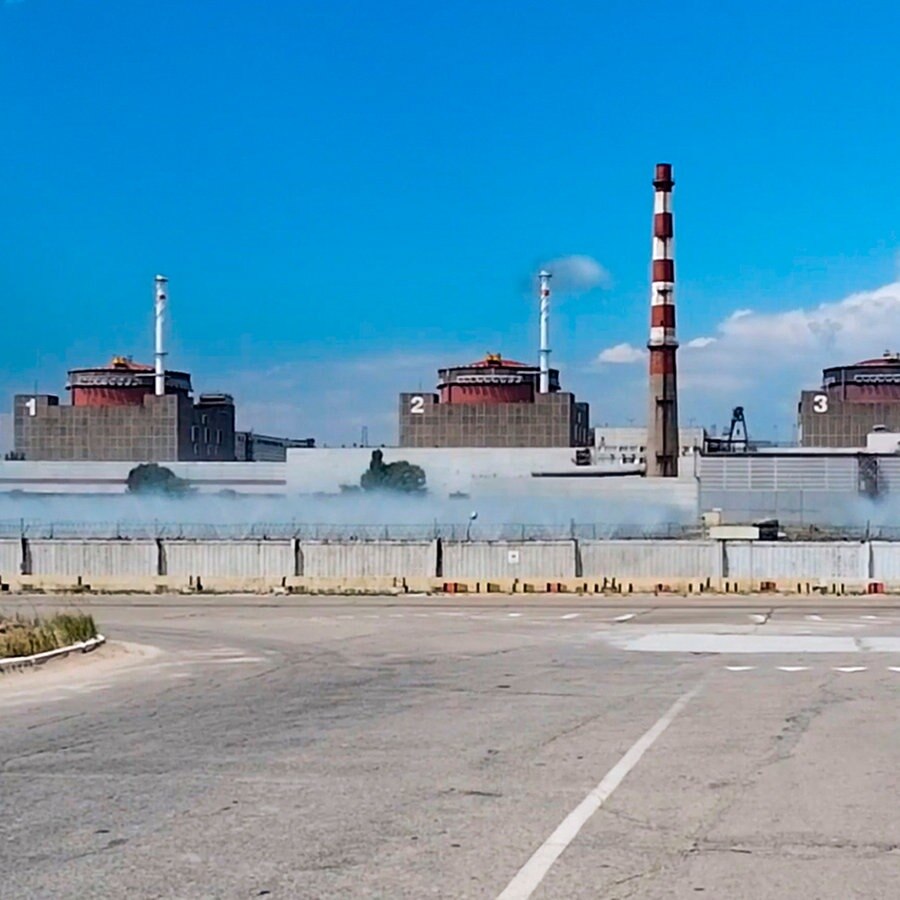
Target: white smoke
[576,274]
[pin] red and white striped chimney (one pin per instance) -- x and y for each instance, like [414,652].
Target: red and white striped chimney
[662,423]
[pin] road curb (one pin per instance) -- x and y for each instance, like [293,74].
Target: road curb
[37,659]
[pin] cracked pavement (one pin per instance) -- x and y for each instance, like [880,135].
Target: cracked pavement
[308,749]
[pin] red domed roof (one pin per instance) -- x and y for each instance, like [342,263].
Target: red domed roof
[888,359]
[495,361]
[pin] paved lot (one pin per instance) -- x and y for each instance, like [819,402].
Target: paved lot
[271,747]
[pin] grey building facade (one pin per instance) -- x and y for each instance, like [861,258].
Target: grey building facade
[167,428]
[552,420]
[852,401]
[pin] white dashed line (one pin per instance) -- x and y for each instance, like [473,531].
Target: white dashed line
[760,620]
[514,615]
[793,668]
[570,616]
[624,618]
[849,669]
[893,668]
[813,618]
[740,668]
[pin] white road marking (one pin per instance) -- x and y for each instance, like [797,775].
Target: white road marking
[793,668]
[814,618]
[701,642]
[514,615]
[849,669]
[533,872]
[739,668]
[880,644]
[570,616]
[624,618]
[893,668]
[234,659]
[870,618]
[760,620]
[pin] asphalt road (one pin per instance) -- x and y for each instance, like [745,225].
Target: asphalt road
[240,748]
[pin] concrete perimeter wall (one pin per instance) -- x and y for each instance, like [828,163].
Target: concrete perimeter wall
[591,566]
[508,559]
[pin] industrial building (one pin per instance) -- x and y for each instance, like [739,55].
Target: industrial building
[494,402]
[115,414]
[129,412]
[852,401]
[252,447]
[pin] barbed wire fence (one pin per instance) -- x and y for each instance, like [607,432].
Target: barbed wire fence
[38,529]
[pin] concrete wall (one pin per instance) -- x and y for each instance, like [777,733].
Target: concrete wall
[638,565]
[837,561]
[651,559]
[92,558]
[230,559]
[396,559]
[10,558]
[508,559]
[88,477]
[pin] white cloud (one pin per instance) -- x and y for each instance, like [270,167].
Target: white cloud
[621,354]
[762,360]
[576,274]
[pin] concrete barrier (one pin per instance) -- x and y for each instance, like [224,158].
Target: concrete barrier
[652,561]
[368,559]
[90,558]
[569,566]
[243,560]
[491,560]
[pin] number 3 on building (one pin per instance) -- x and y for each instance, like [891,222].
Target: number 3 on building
[820,403]
[417,405]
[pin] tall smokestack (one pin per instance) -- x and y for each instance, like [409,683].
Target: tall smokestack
[162,285]
[662,423]
[545,277]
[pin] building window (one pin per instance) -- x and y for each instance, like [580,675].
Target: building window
[205,434]
[218,435]
[196,449]
[195,434]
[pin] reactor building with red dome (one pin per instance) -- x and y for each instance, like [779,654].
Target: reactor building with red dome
[495,402]
[115,413]
[852,401]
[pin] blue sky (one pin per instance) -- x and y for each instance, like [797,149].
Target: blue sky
[347,195]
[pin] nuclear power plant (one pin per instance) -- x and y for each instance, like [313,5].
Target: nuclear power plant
[492,427]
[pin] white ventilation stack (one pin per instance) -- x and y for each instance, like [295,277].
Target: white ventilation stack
[545,331]
[162,290]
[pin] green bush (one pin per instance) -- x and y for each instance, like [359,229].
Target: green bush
[151,478]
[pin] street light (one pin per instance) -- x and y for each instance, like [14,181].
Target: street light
[472,517]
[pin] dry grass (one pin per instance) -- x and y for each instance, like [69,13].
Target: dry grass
[23,635]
